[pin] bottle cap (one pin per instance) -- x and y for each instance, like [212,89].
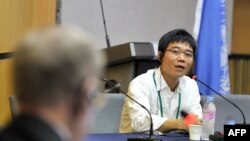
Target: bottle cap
[210,98]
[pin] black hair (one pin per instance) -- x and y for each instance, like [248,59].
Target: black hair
[177,35]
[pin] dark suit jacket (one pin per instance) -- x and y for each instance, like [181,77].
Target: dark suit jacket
[28,128]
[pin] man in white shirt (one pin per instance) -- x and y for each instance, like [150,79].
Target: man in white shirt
[164,91]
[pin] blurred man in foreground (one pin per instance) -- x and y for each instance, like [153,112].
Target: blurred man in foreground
[55,73]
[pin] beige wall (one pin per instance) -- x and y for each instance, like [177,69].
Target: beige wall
[129,20]
[134,20]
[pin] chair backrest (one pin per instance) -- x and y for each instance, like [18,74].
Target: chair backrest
[226,111]
[13,106]
[107,119]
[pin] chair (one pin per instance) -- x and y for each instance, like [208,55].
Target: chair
[13,106]
[226,111]
[107,119]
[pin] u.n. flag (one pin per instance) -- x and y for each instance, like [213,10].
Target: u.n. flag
[211,64]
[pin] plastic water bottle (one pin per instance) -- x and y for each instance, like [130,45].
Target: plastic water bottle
[209,111]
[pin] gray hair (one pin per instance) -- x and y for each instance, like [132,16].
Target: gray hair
[52,64]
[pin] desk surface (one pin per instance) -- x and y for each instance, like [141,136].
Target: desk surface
[124,137]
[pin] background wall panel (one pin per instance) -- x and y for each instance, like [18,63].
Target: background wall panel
[6,88]
[241,30]
[16,18]
[239,67]
[133,20]
[129,20]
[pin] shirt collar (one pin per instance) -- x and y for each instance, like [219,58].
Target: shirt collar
[161,83]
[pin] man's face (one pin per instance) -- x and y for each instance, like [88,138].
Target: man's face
[177,59]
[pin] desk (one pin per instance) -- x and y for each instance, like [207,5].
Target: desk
[124,137]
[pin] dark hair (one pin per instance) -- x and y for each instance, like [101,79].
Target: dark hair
[177,35]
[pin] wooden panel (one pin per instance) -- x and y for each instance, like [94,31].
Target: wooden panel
[239,75]
[44,12]
[241,30]
[6,89]
[16,18]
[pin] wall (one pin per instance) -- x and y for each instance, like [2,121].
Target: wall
[241,30]
[133,20]
[16,18]
[129,20]
[240,58]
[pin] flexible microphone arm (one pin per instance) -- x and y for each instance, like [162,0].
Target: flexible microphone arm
[151,120]
[112,86]
[244,120]
[105,28]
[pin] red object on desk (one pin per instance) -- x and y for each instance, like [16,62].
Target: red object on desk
[190,119]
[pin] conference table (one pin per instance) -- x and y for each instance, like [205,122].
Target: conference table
[124,136]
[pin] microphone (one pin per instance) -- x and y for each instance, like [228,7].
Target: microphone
[112,86]
[243,116]
[220,137]
[105,28]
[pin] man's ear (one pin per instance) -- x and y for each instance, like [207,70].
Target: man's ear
[82,96]
[90,85]
[159,56]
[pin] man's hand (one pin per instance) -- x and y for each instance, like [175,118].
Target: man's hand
[180,124]
[173,124]
[192,119]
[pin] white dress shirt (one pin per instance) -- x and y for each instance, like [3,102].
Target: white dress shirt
[144,90]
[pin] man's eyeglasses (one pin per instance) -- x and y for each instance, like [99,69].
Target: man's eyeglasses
[176,52]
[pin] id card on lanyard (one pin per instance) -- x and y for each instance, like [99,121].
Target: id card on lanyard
[160,100]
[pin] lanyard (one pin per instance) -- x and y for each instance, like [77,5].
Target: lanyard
[159,95]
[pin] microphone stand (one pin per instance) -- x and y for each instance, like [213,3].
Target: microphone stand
[105,28]
[151,121]
[243,116]
[220,137]
[112,86]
